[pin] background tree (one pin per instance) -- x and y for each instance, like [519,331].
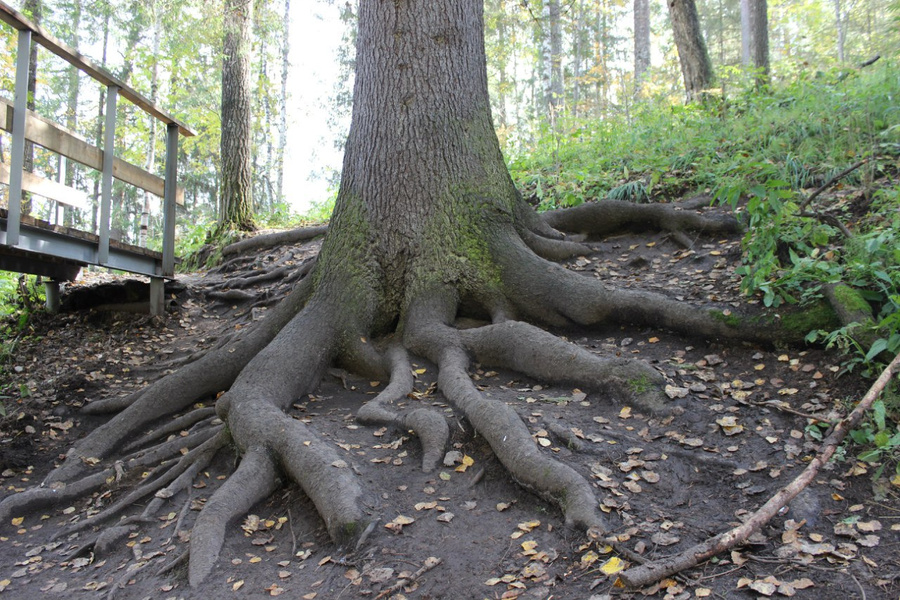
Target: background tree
[759,35]
[236,209]
[696,68]
[641,41]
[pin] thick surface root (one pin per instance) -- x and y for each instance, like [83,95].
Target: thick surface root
[527,349]
[254,480]
[499,424]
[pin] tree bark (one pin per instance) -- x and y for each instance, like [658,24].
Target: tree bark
[551,56]
[746,35]
[34,9]
[840,21]
[282,106]
[641,42]
[696,67]
[759,26]
[236,210]
[151,142]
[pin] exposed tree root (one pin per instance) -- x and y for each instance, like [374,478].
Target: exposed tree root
[271,240]
[609,216]
[258,373]
[499,424]
[253,481]
[212,373]
[192,462]
[174,426]
[527,349]
[430,426]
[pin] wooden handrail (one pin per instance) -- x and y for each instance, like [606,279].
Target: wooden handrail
[19,21]
[57,138]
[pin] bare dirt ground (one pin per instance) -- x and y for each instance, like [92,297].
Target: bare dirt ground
[741,430]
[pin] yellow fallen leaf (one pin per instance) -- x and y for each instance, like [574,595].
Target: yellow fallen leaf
[492,581]
[625,413]
[702,592]
[589,558]
[528,525]
[613,565]
[18,521]
[237,585]
[420,371]
[255,559]
[896,480]
[529,545]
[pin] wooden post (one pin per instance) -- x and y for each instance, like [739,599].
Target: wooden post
[157,296]
[51,290]
[18,142]
[109,147]
[169,199]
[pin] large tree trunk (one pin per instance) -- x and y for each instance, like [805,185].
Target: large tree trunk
[427,226]
[696,67]
[236,209]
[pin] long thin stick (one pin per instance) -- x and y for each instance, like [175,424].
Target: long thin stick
[651,572]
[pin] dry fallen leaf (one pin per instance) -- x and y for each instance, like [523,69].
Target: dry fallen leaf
[613,566]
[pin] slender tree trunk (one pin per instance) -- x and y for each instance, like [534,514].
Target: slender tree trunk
[641,42]
[696,67]
[759,25]
[551,50]
[98,132]
[151,142]
[746,35]
[840,22]
[282,107]
[34,10]
[237,183]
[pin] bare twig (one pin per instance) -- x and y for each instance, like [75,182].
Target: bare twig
[430,563]
[651,572]
[784,408]
[831,181]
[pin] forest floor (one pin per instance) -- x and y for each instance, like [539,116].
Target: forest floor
[741,429]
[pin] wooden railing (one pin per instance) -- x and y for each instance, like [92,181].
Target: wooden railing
[22,239]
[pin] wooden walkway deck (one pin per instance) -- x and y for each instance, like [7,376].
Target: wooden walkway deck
[29,245]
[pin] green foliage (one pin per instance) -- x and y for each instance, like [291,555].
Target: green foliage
[879,435]
[763,153]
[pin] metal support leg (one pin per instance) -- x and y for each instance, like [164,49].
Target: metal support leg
[109,147]
[17,158]
[157,296]
[51,290]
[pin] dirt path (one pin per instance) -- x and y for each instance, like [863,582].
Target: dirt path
[665,482]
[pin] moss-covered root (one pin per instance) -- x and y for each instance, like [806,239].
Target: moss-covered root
[612,216]
[547,292]
[853,312]
[428,335]
[527,349]
[253,481]
[428,425]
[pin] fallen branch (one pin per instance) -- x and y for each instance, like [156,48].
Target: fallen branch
[430,563]
[649,573]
